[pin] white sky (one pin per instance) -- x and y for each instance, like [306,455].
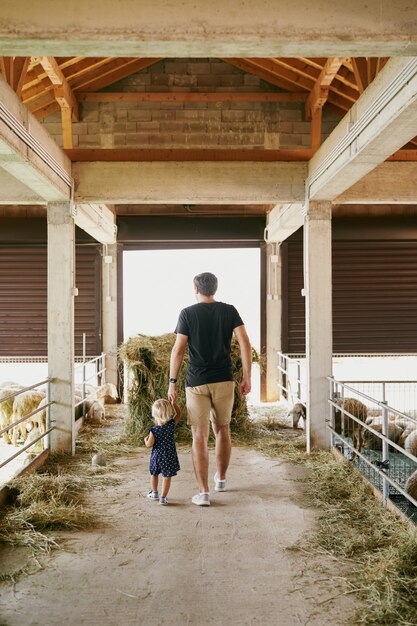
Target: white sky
[157,284]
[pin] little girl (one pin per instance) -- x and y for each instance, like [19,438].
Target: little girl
[164,459]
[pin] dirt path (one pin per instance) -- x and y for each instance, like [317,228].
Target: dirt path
[152,565]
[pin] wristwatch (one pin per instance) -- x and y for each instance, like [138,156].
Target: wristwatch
[173,381]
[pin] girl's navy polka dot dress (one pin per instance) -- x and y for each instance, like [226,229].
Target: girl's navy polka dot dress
[164,458]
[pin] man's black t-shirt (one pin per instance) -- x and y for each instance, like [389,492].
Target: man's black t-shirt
[209,328]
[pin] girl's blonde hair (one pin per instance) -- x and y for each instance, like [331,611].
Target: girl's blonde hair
[162,411]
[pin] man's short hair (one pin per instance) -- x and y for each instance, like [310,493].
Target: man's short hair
[206,283]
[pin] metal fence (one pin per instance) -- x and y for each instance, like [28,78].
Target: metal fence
[49,427]
[84,372]
[370,423]
[292,378]
[372,433]
[97,366]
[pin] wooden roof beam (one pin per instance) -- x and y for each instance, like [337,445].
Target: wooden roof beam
[320,92]
[63,92]
[64,96]
[21,66]
[113,72]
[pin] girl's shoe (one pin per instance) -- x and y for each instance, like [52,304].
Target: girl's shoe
[153,495]
[163,500]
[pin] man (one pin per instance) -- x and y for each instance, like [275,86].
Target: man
[207,328]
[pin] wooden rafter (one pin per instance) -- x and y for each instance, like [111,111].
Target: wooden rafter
[365,69]
[63,95]
[318,97]
[20,71]
[320,92]
[38,82]
[272,71]
[87,74]
[14,71]
[63,92]
[112,73]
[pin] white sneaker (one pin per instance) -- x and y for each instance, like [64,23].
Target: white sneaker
[219,485]
[153,495]
[201,499]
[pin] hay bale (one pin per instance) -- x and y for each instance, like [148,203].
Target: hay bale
[148,361]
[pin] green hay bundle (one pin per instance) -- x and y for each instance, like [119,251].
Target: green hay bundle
[148,361]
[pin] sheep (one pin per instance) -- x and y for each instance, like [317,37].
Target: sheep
[405,423]
[373,442]
[410,444]
[378,419]
[90,391]
[24,404]
[297,412]
[407,431]
[411,485]
[94,408]
[351,427]
[108,393]
[6,410]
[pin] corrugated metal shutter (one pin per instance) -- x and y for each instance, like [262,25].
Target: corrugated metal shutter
[23,300]
[88,301]
[294,303]
[23,314]
[374,297]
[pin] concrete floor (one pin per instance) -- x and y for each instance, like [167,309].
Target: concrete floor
[181,564]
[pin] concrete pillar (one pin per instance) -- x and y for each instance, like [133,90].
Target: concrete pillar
[319,340]
[273,320]
[110,341]
[61,264]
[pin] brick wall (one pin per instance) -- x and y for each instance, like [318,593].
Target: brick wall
[191,125]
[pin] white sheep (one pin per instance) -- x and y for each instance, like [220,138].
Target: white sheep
[24,404]
[378,419]
[108,393]
[6,410]
[407,432]
[411,485]
[94,408]
[410,444]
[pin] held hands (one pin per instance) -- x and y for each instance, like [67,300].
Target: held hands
[172,393]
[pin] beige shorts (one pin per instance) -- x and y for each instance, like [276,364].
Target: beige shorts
[213,401]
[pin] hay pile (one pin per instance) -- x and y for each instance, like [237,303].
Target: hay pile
[379,549]
[55,498]
[148,361]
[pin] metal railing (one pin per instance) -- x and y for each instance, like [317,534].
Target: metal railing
[97,363]
[45,407]
[98,374]
[368,431]
[291,379]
